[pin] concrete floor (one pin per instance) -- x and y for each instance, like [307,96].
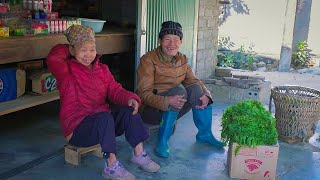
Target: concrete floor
[31,148]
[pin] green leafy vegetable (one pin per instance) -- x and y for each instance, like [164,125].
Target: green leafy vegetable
[248,123]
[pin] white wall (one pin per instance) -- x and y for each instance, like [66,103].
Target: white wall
[263,27]
[314,28]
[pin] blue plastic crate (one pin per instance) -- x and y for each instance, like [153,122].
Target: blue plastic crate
[8,84]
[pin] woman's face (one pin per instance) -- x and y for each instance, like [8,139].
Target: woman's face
[170,45]
[85,52]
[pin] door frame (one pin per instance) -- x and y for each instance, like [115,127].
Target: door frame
[195,36]
[140,34]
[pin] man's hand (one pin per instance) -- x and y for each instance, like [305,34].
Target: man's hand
[134,104]
[205,100]
[177,101]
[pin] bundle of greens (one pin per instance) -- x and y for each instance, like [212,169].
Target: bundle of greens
[248,123]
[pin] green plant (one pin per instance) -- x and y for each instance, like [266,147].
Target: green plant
[226,59]
[240,59]
[245,58]
[301,56]
[248,123]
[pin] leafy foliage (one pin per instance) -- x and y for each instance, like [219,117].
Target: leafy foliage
[239,59]
[248,123]
[244,58]
[301,57]
[226,59]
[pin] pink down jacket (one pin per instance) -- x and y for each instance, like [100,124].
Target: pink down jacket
[83,91]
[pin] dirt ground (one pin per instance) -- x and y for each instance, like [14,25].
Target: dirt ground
[286,78]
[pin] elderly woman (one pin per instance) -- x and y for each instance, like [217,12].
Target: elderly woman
[86,118]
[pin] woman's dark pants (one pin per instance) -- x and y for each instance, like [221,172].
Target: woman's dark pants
[102,128]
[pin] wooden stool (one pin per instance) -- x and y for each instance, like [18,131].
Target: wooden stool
[72,154]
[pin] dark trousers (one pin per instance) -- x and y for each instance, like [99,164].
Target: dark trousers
[102,128]
[191,93]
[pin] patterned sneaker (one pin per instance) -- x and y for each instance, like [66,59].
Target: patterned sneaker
[117,171]
[144,161]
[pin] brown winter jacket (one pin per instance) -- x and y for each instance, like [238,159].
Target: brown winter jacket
[157,76]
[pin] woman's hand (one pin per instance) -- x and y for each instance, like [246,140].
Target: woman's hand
[205,100]
[177,101]
[134,104]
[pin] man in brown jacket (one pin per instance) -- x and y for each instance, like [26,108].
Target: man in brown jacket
[169,89]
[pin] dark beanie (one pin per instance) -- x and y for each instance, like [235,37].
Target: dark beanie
[170,27]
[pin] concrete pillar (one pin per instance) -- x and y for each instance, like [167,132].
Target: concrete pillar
[207,47]
[288,33]
[302,22]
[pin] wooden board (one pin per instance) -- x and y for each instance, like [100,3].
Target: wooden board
[20,48]
[26,101]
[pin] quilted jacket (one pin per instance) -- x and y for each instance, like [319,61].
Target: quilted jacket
[83,91]
[157,76]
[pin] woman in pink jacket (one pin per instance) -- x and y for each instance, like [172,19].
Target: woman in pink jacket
[86,118]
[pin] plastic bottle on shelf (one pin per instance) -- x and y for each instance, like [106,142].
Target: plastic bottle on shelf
[42,14]
[35,11]
[25,4]
[30,4]
[47,4]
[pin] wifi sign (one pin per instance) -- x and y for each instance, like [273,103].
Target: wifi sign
[253,164]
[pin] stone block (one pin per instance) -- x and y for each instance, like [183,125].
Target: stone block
[221,83]
[201,11]
[209,81]
[223,93]
[223,72]
[201,44]
[202,23]
[231,79]
[212,23]
[262,78]
[238,84]
[240,76]
[200,35]
[209,44]
[209,12]
[250,81]
[207,35]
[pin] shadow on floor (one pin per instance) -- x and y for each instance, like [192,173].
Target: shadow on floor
[27,137]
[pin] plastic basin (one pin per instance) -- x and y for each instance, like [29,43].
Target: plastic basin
[96,24]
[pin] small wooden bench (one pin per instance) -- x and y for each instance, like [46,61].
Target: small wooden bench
[72,154]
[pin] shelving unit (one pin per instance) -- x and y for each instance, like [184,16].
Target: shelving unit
[26,101]
[18,49]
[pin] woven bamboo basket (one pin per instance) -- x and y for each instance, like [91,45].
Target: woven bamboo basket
[297,110]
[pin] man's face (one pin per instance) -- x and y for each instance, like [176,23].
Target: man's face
[170,45]
[85,52]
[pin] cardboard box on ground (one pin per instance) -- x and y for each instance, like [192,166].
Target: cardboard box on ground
[253,163]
